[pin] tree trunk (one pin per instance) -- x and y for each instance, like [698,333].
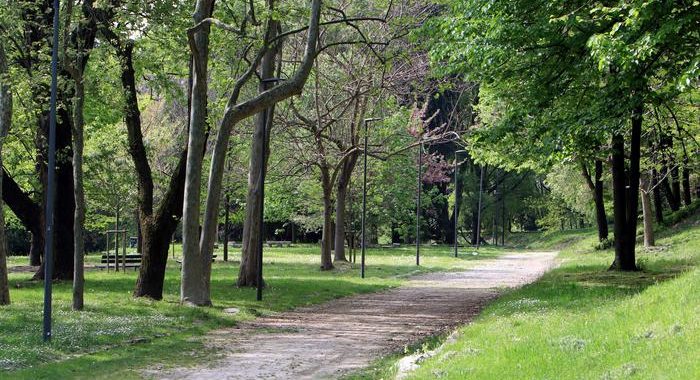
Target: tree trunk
[645,189]
[475,225]
[601,216]
[263,106]
[597,192]
[79,194]
[327,234]
[196,264]
[675,182]
[156,241]
[252,232]
[35,248]
[686,183]
[619,199]
[668,191]
[341,205]
[65,203]
[658,200]
[629,263]
[626,201]
[5,123]
[157,227]
[227,205]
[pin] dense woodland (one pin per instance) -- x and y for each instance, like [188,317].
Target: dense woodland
[527,115]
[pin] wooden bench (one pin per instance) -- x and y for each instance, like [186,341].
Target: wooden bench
[235,244]
[279,243]
[179,261]
[131,260]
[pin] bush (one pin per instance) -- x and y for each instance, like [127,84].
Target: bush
[604,244]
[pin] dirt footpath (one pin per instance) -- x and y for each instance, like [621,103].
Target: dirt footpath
[347,334]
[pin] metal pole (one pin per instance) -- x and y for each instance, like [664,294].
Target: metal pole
[478,218]
[51,181]
[107,249]
[420,182]
[116,241]
[364,206]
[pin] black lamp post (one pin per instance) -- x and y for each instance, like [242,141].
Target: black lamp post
[51,181]
[456,211]
[364,201]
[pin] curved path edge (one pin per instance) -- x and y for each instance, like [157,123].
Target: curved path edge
[338,337]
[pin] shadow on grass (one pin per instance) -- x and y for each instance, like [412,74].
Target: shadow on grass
[586,287]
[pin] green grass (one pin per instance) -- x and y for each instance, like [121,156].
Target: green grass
[581,321]
[116,335]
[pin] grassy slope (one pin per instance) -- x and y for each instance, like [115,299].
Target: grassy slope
[116,333]
[582,322]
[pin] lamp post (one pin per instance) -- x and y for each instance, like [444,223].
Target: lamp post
[51,181]
[364,201]
[456,211]
[420,183]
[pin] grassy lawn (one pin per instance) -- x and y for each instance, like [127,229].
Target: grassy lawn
[581,321]
[116,334]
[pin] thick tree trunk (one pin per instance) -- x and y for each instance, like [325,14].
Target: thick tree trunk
[79,193]
[196,264]
[65,203]
[156,241]
[626,201]
[645,189]
[629,260]
[341,205]
[619,199]
[686,183]
[35,248]
[5,123]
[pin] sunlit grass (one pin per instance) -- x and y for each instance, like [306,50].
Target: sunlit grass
[116,333]
[582,321]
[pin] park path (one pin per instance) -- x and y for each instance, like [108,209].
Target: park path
[335,338]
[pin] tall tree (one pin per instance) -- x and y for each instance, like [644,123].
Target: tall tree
[5,122]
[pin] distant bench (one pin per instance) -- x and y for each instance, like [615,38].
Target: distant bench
[131,260]
[279,243]
[179,261]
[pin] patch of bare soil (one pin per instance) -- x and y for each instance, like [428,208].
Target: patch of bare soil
[335,338]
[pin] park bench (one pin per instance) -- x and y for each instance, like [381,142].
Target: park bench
[131,260]
[235,244]
[279,243]
[179,261]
